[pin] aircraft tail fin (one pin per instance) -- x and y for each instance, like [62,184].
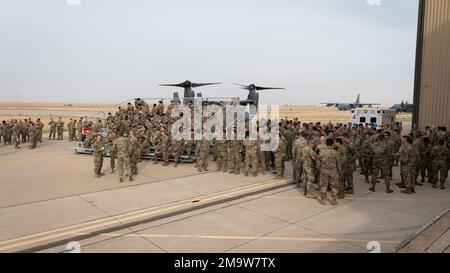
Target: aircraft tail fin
[176,97]
[358,99]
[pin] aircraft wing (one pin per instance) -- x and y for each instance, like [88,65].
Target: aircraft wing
[368,104]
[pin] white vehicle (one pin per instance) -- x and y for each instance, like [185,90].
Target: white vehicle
[376,117]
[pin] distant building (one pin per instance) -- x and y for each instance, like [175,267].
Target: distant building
[432,79]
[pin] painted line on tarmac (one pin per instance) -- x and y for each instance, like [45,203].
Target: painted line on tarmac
[226,237]
[138,217]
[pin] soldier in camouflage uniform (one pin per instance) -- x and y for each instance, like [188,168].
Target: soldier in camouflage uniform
[16,134]
[60,128]
[297,159]
[52,133]
[8,132]
[309,162]
[279,154]
[380,162]
[39,126]
[203,154]
[351,155]
[222,157]
[328,164]
[390,155]
[425,162]
[121,148]
[251,150]
[343,159]
[134,152]
[235,155]
[79,129]
[366,157]
[98,148]
[112,152]
[176,150]
[440,155]
[262,165]
[33,135]
[71,127]
[162,147]
[408,159]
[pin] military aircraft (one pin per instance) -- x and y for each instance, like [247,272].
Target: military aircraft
[253,95]
[349,106]
[189,94]
[403,107]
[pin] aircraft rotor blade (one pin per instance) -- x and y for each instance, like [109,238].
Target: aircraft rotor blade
[242,85]
[260,88]
[194,85]
[173,85]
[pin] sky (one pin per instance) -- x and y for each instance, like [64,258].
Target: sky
[113,50]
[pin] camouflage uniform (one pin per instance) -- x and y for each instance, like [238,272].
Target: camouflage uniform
[408,159]
[162,149]
[251,149]
[381,163]
[60,129]
[309,161]
[345,163]
[134,154]
[176,150]
[39,127]
[328,164]
[33,136]
[112,153]
[121,147]
[203,154]
[366,159]
[8,132]
[79,129]
[222,158]
[262,165]
[52,125]
[71,128]
[279,155]
[297,159]
[98,157]
[425,163]
[440,155]
[16,134]
[350,156]
[235,157]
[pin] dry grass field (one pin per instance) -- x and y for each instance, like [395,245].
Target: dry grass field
[53,106]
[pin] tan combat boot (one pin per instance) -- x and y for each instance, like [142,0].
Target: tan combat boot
[334,201]
[309,195]
[322,199]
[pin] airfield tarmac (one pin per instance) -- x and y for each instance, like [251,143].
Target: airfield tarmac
[49,197]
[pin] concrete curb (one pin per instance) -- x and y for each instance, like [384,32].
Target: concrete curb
[419,231]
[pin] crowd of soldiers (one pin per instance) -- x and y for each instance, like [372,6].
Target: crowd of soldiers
[17,131]
[14,132]
[324,156]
